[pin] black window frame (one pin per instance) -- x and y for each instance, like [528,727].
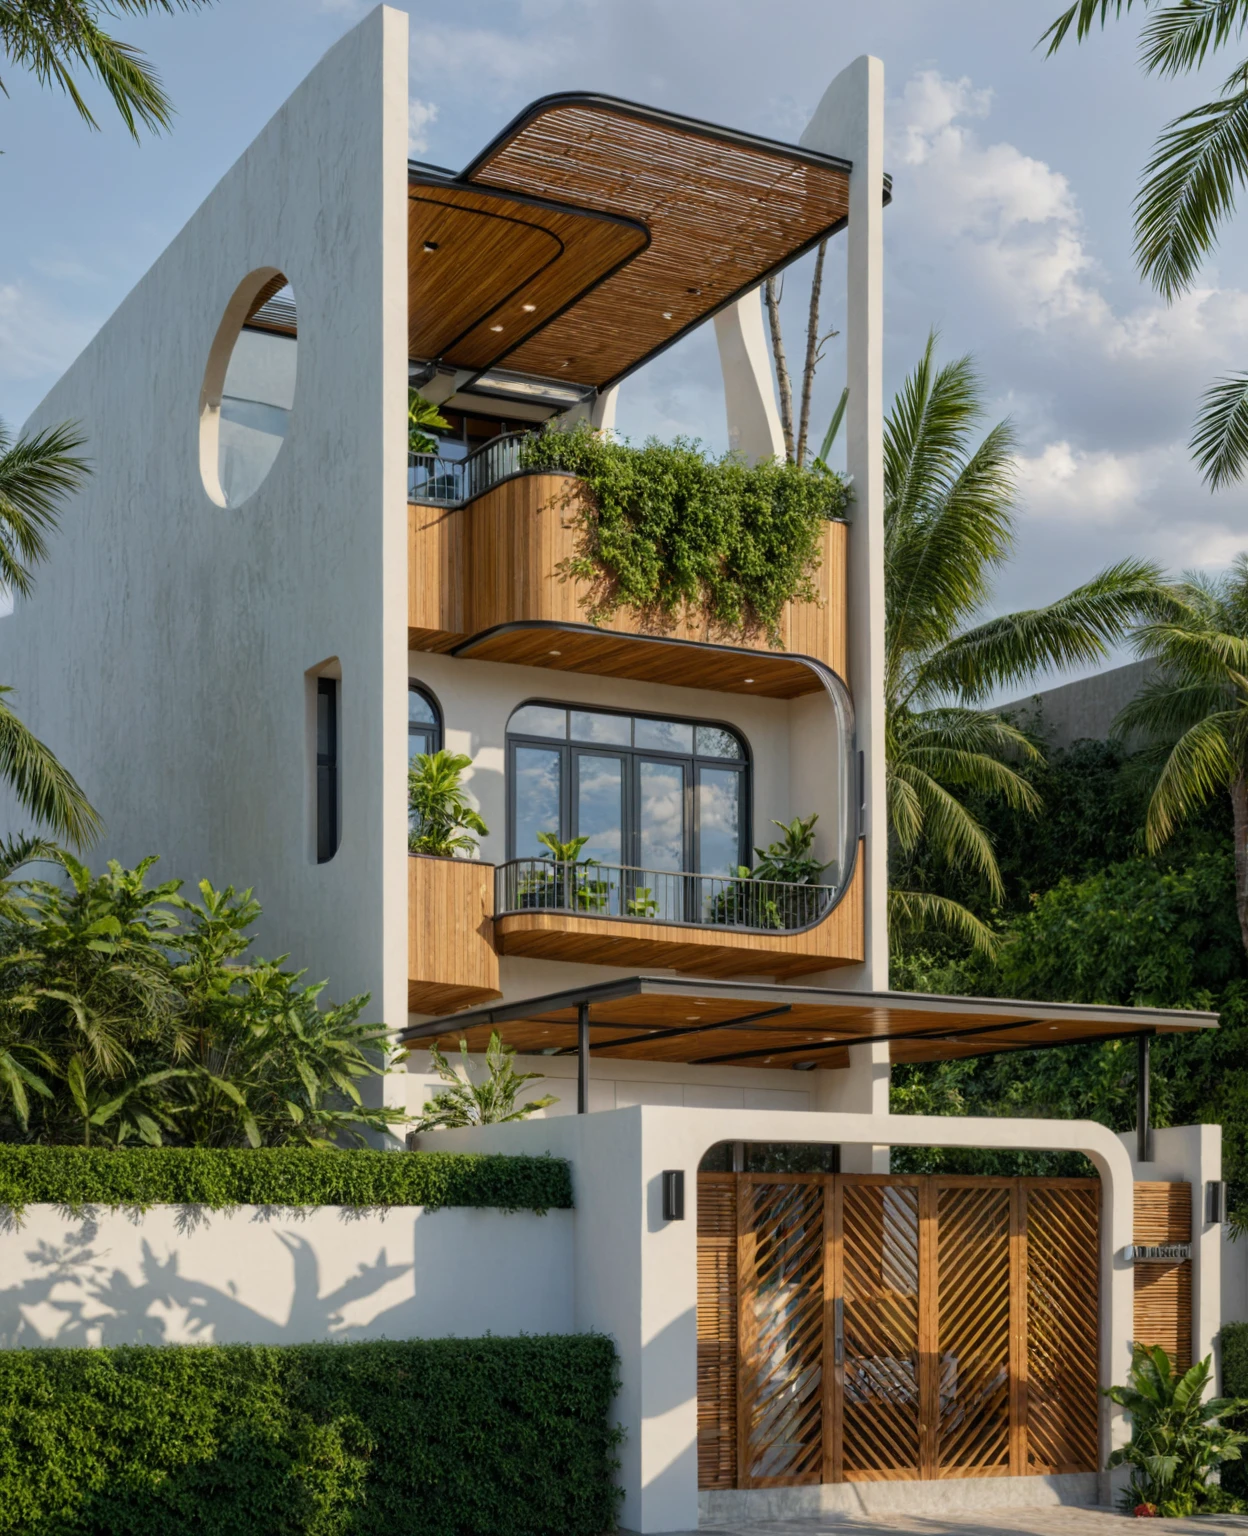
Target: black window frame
[437,730]
[328,771]
[571,751]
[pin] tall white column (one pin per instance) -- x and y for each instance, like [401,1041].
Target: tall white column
[749,395]
[849,122]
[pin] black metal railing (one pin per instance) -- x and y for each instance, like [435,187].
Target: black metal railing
[658,895]
[444,482]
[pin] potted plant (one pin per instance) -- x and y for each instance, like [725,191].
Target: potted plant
[441,819]
[788,863]
[564,886]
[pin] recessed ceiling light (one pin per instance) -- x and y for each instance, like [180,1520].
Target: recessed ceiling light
[691,1016]
[430,247]
[554,653]
[667,314]
[528,308]
[749,679]
[766,1061]
[496,327]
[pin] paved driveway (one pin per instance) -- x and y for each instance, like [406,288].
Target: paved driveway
[1062,1520]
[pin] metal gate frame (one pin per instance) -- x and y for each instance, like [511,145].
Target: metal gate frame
[1012,1307]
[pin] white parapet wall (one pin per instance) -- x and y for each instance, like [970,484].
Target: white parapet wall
[261,1275]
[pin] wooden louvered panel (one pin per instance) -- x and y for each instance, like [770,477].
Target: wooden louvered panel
[1062,1247]
[780,1222]
[878,1224]
[717,1330]
[1163,1290]
[972,1414]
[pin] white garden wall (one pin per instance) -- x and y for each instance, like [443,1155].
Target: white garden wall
[259,1275]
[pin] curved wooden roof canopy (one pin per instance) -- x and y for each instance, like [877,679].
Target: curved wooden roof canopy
[593,233]
[748,1024]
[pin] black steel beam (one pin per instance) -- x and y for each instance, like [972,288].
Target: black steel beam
[582,1059]
[658,1033]
[1143,1108]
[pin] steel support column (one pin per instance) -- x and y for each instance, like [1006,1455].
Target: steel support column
[582,1059]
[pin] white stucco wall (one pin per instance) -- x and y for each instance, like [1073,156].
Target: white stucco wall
[636,1275]
[256,1275]
[164,653]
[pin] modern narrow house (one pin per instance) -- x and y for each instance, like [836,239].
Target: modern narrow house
[264,606]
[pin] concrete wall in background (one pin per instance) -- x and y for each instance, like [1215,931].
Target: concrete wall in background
[1082,710]
[257,1275]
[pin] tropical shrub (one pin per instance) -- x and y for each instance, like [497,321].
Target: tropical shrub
[1177,1441]
[131,1014]
[488,1102]
[422,417]
[667,528]
[440,817]
[789,860]
[424,1437]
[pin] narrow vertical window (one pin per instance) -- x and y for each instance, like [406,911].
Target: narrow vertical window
[326,768]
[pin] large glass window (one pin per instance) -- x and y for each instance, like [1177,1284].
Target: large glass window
[647,793]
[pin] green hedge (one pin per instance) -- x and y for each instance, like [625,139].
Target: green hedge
[283,1176]
[1234,1339]
[434,1437]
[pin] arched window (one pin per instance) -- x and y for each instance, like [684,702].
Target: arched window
[424,722]
[646,792]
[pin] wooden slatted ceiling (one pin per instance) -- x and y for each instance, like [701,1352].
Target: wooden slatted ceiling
[493,256]
[758,1026]
[689,663]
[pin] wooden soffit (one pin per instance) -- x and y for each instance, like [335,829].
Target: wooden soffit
[717,211]
[485,268]
[657,1018]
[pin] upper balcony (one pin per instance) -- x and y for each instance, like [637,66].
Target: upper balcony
[490,546]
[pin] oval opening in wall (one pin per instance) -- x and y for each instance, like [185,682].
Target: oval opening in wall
[249,387]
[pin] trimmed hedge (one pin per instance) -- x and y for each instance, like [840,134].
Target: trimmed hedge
[282,1176]
[1234,1337]
[434,1437]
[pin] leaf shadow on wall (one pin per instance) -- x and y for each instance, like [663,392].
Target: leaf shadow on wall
[77,1298]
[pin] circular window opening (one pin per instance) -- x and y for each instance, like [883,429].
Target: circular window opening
[249,387]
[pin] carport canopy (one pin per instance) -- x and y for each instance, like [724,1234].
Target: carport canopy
[794,1028]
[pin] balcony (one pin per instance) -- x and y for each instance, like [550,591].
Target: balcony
[452,962]
[487,543]
[707,924]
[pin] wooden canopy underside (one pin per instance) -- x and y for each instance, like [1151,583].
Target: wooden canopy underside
[621,226]
[741,1024]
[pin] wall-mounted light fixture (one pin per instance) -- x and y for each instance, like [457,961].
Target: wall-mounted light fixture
[673,1194]
[1215,1201]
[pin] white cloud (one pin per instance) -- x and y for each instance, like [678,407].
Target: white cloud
[420,117]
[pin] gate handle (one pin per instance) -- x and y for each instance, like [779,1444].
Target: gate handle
[838,1331]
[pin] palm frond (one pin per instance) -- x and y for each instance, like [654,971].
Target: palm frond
[43,787]
[916,911]
[950,828]
[1082,16]
[1074,630]
[23,849]
[1189,187]
[1201,764]
[37,473]
[1219,440]
[1176,38]
[1169,705]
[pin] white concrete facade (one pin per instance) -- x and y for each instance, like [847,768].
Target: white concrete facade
[165,651]
[256,1275]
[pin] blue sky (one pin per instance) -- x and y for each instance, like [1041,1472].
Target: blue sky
[1010,228]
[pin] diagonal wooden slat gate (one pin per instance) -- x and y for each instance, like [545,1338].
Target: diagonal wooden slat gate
[858,1327]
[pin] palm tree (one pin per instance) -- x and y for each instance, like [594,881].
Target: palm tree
[53,38]
[948,524]
[1195,709]
[37,473]
[1189,184]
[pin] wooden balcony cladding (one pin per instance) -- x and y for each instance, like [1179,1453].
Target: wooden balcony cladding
[451,961]
[839,939]
[496,562]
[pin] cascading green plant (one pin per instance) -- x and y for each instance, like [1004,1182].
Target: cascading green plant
[667,529]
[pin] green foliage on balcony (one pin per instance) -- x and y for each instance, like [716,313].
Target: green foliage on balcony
[667,528]
[424,1436]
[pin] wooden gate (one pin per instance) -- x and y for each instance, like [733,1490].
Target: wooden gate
[859,1327]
